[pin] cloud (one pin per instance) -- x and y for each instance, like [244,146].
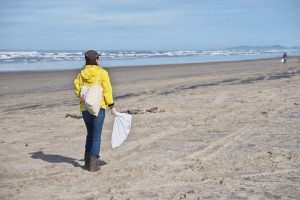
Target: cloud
[116,13]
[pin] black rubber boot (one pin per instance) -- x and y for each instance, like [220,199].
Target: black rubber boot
[94,164]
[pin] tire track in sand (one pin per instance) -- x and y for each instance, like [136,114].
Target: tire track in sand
[217,147]
[132,149]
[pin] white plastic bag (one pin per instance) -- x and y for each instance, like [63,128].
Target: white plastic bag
[282,60]
[121,129]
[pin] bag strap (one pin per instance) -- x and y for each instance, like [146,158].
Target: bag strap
[96,82]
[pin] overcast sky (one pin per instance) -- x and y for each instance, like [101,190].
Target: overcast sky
[147,25]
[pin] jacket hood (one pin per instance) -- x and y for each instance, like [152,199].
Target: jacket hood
[90,73]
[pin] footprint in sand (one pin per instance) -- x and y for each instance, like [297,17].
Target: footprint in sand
[221,98]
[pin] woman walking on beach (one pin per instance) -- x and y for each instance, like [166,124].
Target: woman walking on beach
[87,77]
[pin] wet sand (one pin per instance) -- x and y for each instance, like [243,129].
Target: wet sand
[227,130]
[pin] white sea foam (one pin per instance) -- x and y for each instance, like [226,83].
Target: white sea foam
[53,60]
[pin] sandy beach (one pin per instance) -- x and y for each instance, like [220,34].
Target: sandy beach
[226,130]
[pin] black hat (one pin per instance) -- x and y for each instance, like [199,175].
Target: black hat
[91,55]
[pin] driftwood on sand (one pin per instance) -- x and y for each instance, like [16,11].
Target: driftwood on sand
[72,115]
[151,110]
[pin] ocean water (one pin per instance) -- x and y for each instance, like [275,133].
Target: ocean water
[65,60]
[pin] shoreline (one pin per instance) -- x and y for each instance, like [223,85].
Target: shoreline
[146,66]
[63,79]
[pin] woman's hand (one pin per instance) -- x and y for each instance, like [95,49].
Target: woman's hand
[113,111]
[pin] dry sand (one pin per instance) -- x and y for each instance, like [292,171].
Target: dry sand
[229,130]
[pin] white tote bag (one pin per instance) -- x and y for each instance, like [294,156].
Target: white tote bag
[121,129]
[92,97]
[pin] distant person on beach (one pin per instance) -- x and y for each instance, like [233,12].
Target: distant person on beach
[88,76]
[284,57]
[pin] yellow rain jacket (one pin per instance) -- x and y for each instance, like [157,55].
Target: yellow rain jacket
[87,77]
